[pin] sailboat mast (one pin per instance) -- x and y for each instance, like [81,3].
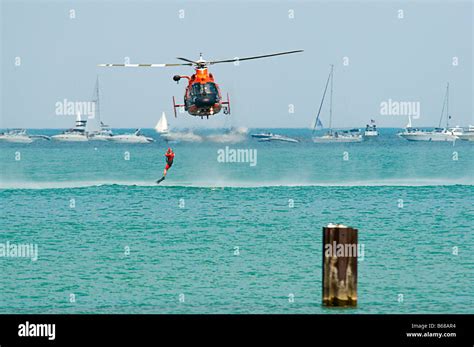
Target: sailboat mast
[447,106]
[97,102]
[321,104]
[330,99]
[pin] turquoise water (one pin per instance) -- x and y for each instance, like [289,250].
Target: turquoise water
[182,235]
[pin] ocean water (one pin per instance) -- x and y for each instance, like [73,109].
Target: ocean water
[220,237]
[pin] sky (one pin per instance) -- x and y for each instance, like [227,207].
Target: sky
[377,57]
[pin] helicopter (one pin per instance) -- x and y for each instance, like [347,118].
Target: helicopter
[202,97]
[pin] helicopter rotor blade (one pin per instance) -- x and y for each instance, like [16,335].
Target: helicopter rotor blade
[188,60]
[254,57]
[142,65]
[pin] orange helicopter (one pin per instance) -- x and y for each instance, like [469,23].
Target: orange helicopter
[202,97]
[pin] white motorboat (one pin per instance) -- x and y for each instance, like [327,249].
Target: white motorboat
[104,134]
[77,133]
[70,136]
[333,136]
[278,138]
[16,135]
[457,130]
[467,135]
[438,134]
[371,129]
[262,135]
[136,137]
[338,136]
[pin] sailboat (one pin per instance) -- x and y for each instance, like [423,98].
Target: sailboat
[332,136]
[97,130]
[162,126]
[438,134]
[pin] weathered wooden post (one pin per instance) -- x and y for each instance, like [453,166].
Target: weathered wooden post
[339,265]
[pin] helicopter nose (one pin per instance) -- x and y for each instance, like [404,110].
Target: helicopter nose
[204,101]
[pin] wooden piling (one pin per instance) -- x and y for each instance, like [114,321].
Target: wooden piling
[339,265]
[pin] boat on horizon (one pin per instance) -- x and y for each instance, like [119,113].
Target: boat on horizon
[136,137]
[20,136]
[331,135]
[438,134]
[371,129]
[97,131]
[104,134]
[162,126]
[264,135]
[467,135]
[338,136]
[278,138]
[76,134]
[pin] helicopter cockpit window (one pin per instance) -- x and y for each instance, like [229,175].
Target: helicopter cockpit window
[207,88]
[210,88]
